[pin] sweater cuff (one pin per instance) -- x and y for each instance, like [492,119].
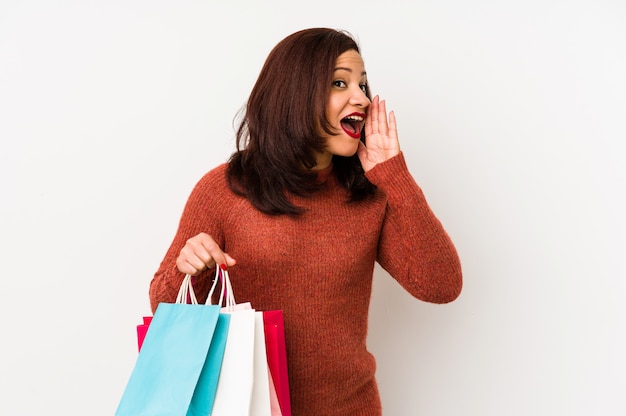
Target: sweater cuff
[392,176]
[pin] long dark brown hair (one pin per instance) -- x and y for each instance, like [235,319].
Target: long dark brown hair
[280,130]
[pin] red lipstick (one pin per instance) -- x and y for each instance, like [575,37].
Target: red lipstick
[352,124]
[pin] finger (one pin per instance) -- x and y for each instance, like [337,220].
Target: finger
[383,127]
[197,251]
[229,260]
[190,261]
[362,154]
[184,266]
[393,127]
[368,124]
[217,256]
[371,122]
[194,256]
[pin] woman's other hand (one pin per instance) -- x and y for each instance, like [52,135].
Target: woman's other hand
[381,136]
[202,252]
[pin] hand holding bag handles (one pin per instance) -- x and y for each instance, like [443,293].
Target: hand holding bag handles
[236,375]
[172,357]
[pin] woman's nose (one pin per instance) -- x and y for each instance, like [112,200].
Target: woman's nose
[359,98]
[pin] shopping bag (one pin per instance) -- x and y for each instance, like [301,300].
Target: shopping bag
[274,404]
[243,386]
[276,349]
[204,394]
[171,358]
[234,388]
[186,290]
[260,404]
[203,398]
[142,329]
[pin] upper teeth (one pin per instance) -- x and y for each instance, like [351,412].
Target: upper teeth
[355,117]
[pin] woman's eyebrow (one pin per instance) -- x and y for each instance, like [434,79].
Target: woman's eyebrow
[341,68]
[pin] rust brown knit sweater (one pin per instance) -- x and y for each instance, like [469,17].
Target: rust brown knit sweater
[318,269]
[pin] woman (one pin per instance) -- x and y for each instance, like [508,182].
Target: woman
[316,193]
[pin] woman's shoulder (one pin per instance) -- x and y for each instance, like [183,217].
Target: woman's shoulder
[213,184]
[213,190]
[215,177]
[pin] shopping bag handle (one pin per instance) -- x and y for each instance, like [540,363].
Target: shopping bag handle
[227,297]
[186,292]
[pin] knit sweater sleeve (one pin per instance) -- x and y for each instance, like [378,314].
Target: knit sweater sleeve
[202,213]
[414,248]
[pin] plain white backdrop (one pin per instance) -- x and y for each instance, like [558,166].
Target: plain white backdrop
[512,116]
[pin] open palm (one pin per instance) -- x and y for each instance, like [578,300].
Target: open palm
[381,136]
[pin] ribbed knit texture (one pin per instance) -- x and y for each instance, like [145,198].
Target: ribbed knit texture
[318,269]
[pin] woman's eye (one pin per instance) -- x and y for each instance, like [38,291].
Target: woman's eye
[339,84]
[363,87]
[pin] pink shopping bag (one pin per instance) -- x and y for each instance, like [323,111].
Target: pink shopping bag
[276,350]
[142,330]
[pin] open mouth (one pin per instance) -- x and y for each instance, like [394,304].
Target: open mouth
[352,124]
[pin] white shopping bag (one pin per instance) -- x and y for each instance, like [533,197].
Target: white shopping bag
[260,405]
[234,387]
[243,387]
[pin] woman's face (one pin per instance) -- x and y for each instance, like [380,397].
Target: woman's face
[346,108]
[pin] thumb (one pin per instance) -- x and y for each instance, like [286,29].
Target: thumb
[229,260]
[362,153]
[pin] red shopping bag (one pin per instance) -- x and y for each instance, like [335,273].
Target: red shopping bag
[276,350]
[142,330]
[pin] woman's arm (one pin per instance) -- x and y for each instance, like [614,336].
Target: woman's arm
[197,245]
[414,247]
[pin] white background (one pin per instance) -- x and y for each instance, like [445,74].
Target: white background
[512,116]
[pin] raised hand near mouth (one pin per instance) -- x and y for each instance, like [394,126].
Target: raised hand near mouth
[381,136]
